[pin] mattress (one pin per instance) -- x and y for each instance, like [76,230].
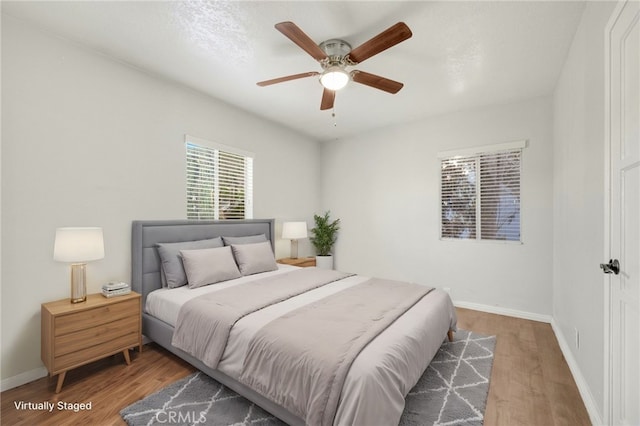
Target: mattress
[384,365]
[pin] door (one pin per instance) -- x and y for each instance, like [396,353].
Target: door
[623,282]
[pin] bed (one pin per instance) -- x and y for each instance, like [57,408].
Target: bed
[376,380]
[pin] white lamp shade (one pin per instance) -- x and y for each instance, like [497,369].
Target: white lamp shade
[77,245]
[294,230]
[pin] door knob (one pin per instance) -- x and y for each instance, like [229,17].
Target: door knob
[612,267]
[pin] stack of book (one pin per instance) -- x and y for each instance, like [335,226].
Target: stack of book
[115,289]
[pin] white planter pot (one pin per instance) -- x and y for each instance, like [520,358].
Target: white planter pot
[324,262]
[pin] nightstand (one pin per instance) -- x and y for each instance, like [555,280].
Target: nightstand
[74,334]
[303,262]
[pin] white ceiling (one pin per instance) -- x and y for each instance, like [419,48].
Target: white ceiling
[462,54]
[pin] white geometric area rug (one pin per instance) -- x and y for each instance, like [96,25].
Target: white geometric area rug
[452,391]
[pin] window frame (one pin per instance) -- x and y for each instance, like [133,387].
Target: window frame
[477,152]
[217,147]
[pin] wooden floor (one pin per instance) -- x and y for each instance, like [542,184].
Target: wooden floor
[530,382]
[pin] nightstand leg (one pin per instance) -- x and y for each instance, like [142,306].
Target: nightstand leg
[60,381]
[126,356]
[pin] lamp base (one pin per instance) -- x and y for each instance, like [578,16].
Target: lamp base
[78,282]
[294,249]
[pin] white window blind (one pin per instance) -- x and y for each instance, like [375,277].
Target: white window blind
[219,182]
[480,195]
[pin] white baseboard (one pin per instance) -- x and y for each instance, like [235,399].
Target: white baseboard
[22,378]
[581,383]
[503,311]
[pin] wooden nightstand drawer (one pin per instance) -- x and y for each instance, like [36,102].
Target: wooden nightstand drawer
[90,318]
[84,356]
[89,337]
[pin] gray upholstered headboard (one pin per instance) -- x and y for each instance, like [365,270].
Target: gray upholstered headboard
[145,234]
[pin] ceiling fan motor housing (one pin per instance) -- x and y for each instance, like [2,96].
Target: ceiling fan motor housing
[336,51]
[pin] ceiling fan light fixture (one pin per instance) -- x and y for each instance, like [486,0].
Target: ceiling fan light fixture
[334,78]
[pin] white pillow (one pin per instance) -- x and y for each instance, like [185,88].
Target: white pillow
[172,271]
[254,258]
[209,266]
[251,239]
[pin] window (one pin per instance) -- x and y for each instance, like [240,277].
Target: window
[480,193]
[219,181]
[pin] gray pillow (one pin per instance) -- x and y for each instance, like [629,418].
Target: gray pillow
[251,239]
[254,258]
[172,268]
[209,266]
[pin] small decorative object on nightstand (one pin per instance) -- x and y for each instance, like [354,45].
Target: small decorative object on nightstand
[303,262]
[115,289]
[80,333]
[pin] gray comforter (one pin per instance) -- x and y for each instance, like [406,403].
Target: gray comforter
[301,359]
[204,324]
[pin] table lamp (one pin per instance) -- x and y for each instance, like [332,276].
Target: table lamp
[294,231]
[78,246]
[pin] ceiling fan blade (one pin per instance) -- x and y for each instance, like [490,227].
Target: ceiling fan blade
[287,78]
[386,39]
[376,81]
[328,96]
[296,35]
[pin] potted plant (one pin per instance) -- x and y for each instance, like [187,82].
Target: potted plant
[323,237]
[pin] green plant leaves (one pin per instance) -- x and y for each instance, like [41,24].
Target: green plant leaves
[324,235]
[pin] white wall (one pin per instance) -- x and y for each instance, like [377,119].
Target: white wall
[88,141]
[578,243]
[384,186]
[1,186]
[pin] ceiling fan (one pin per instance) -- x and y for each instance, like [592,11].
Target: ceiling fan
[336,55]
